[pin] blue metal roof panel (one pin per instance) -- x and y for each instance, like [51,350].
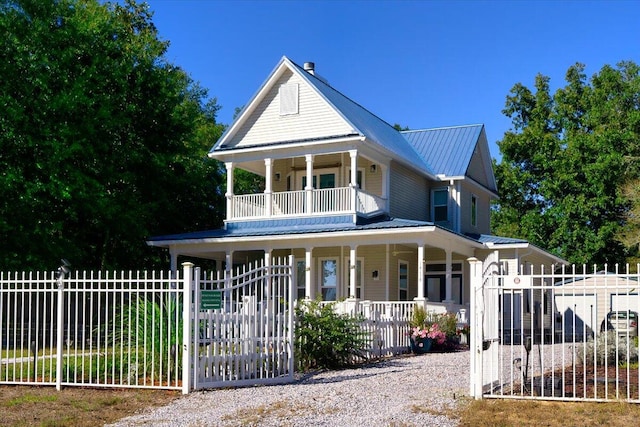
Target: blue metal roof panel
[291,228]
[367,123]
[488,238]
[448,150]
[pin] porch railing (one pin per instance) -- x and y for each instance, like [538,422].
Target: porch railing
[305,203]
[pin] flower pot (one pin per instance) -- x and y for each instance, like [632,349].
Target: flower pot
[421,345]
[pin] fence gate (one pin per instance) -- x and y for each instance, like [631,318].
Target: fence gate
[555,334]
[243,325]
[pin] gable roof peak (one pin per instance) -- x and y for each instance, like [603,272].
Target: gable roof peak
[443,128]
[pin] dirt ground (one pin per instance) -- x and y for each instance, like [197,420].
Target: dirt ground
[73,406]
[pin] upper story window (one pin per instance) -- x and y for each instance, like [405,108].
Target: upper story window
[474,211]
[288,95]
[440,205]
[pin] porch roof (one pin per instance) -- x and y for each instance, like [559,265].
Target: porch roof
[289,228]
[292,227]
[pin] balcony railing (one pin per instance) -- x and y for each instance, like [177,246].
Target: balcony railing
[344,200]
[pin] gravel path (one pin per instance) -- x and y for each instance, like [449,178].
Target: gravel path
[406,391]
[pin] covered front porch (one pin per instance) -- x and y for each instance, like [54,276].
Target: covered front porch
[387,267]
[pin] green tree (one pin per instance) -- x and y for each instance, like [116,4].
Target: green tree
[103,141]
[566,162]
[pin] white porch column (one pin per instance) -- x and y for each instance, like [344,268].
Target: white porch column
[387,272]
[454,191]
[353,179]
[174,261]
[228,259]
[228,272]
[309,186]
[268,166]
[352,271]
[421,296]
[447,278]
[309,291]
[229,193]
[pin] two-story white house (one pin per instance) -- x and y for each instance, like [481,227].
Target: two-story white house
[367,211]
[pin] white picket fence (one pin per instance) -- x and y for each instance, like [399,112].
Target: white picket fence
[545,333]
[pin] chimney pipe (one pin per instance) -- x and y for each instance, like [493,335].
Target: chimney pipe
[310,68]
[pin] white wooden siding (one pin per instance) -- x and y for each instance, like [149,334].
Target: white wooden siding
[476,169]
[316,119]
[409,194]
[483,210]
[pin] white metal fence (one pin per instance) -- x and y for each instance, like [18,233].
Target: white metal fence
[147,330]
[91,329]
[567,334]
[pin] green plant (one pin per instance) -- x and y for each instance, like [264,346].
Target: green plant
[327,339]
[419,317]
[608,349]
[148,330]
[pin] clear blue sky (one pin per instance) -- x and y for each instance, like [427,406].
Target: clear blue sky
[416,63]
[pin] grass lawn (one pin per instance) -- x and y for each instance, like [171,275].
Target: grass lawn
[44,406]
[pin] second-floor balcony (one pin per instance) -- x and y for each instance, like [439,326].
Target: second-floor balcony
[302,203]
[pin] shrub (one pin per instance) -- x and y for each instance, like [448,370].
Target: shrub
[325,338]
[609,349]
[419,317]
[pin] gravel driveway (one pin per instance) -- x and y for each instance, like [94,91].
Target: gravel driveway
[421,390]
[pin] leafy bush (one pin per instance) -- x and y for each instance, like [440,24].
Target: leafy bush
[610,349]
[327,339]
[419,317]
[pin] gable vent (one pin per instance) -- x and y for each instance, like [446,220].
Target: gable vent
[288,95]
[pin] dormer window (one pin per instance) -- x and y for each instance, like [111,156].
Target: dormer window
[440,205]
[474,211]
[288,95]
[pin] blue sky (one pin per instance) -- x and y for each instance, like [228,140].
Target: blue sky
[420,64]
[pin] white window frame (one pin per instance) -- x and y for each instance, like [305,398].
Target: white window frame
[433,204]
[474,210]
[321,277]
[400,288]
[316,173]
[301,285]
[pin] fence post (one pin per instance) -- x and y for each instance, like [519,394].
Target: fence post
[476,323]
[186,326]
[60,330]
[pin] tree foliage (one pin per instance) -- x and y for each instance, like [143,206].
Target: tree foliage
[566,161]
[103,141]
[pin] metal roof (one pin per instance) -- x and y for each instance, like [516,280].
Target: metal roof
[291,228]
[361,120]
[365,122]
[497,240]
[449,149]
